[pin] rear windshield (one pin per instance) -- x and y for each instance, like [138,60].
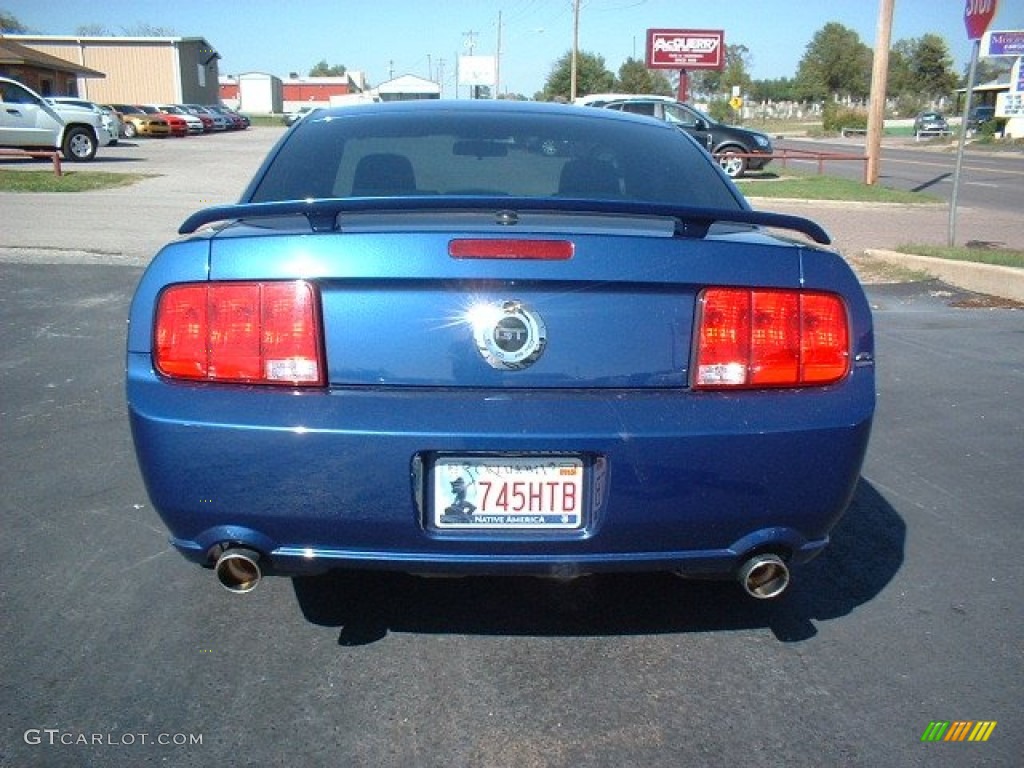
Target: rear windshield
[392,152]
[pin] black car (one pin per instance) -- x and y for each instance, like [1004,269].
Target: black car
[979,116]
[730,144]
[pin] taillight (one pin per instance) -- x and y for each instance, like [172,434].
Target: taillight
[252,332]
[770,338]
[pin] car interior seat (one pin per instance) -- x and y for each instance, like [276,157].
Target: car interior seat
[584,177]
[383,174]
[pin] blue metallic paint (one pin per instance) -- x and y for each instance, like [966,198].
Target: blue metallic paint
[340,476]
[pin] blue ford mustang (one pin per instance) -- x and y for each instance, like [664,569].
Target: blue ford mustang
[424,341]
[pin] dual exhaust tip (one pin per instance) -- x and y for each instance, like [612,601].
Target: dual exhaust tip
[763,576]
[238,569]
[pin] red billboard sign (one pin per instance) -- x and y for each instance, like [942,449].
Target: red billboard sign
[685,49]
[978,15]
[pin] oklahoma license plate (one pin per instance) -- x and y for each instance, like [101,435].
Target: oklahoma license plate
[508,493]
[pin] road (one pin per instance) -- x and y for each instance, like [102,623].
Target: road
[991,180]
[114,644]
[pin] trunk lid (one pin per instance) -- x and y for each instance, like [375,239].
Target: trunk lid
[400,311]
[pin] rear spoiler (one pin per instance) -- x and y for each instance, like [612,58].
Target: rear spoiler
[322,213]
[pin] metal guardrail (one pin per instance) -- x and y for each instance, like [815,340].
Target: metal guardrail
[51,154]
[801,155]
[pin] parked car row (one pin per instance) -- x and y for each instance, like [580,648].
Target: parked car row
[78,127]
[175,119]
[930,123]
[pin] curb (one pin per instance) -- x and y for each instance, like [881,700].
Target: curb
[1005,282]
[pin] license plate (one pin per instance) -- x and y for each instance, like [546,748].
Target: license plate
[508,493]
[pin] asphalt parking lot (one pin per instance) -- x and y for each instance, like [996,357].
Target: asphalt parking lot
[119,653]
[127,225]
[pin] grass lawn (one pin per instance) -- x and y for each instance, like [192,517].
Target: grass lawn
[800,186]
[71,181]
[1003,257]
[792,185]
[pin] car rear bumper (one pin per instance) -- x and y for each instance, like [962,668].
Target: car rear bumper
[342,478]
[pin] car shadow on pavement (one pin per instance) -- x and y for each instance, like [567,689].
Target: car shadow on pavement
[865,554]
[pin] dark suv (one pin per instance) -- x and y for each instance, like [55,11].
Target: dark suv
[979,116]
[728,143]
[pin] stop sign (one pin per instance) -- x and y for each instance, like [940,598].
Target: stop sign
[977,16]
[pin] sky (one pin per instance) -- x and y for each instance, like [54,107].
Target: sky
[390,38]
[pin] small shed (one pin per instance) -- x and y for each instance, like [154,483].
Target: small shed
[408,87]
[255,93]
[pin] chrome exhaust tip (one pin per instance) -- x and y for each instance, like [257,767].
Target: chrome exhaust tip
[238,570]
[764,576]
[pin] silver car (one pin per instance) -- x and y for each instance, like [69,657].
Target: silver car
[291,118]
[111,123]
[220,122]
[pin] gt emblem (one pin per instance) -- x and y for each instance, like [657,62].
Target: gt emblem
[509,336]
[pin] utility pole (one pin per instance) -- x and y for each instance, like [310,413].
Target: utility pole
[879,76]
[573,70]
[471,45]
[497,63]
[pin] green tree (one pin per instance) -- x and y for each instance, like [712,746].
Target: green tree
[711,82]
[900,78]
[323,69]
[932,67]
[835,64]
[987,71]
[139,29]
[635,77]
[737,68]
[92,30]
[592,76]
[9,24]
[779,89]
[142,29]
[920,72]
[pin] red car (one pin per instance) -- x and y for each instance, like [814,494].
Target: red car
[206,119]
[177,123]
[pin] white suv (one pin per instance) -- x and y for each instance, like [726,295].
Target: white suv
[28,121]
[111,125]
